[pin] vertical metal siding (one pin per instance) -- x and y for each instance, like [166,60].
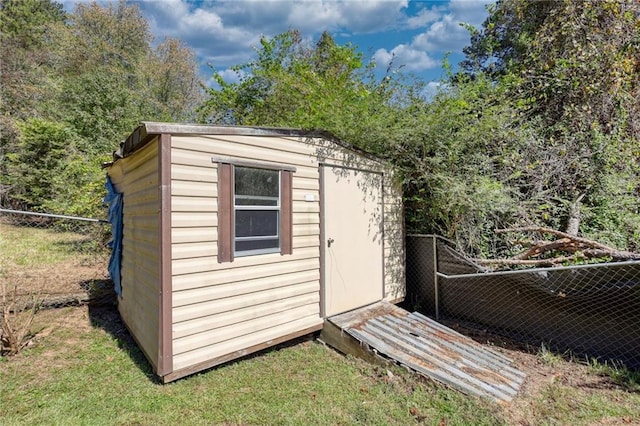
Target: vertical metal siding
[137,177]
[165,344]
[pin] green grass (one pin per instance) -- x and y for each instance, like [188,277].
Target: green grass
[585,393]
[559,404]
[548,357]
[27,246]
[84,368]
[622,376]
[96,375]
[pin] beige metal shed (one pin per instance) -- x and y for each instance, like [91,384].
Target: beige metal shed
[235,239]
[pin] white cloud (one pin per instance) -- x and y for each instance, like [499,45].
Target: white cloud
[232,76]
[203,28]
[472,12]
[202,21]
[314,15]
[424,17]
[228,75]
[406,57]
[224,32]
[443,33]
[357,16]
[432,88]
[446,34]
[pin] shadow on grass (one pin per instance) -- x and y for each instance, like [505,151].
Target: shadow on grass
[103,313]
[93,246]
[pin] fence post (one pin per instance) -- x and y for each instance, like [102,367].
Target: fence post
[436,298]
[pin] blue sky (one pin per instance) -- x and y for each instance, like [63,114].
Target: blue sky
[223,33]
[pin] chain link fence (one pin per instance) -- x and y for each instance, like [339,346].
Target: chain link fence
[52,260]
[587,310]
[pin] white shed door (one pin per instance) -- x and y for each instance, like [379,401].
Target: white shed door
[352,246]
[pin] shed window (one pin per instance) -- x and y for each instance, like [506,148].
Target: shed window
[254,211]
[257,210]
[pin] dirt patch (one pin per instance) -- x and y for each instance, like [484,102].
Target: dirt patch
[55,332]
[69,281]
[558,387]
[49,263]
[50,281]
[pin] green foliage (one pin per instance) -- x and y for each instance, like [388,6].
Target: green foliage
[25,22]
[455,167]
[78,189]
[570,71]
[612,214]
[175,87]
[505,36]
[49,173]
[100,107]
[114,37]
[321,86]
[541,126]
[486,151]
[25,62]
[76,86]
[43,149]
[103,50]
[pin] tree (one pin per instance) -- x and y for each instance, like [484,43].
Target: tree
[113,78]
[116,37]
[44,147]
[26,60]
[103,50]
[25,67]
[567,61]
[456,171]
[320,86]
[505,37]
[572,70]
[25,22]
[76,86]
[174,84]
[447,152]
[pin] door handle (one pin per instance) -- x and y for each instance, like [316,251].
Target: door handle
[330,241]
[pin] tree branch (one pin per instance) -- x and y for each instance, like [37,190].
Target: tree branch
[581,248]
[543,230]
[528,262]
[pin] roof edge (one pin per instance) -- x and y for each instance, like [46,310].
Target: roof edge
[147,130]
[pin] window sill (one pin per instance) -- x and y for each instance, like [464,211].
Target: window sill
[256,252]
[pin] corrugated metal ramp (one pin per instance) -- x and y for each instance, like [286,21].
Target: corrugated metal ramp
[428,348]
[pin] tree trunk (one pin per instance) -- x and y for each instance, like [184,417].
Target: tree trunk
[573,224]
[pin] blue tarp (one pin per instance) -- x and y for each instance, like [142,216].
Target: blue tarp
[114,200]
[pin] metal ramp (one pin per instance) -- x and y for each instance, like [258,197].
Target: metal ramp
[425,346]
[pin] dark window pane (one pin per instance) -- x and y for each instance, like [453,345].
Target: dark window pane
[257,244]
[257,182]
[245,200]
[256,223]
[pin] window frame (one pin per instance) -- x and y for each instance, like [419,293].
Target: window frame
[256,207]
[227,208]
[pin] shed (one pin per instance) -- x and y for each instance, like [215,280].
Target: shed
[235,239]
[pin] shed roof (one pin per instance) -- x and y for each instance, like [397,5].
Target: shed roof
[147,130]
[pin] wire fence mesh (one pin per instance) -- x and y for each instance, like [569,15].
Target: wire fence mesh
[54,259]
[586,310]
